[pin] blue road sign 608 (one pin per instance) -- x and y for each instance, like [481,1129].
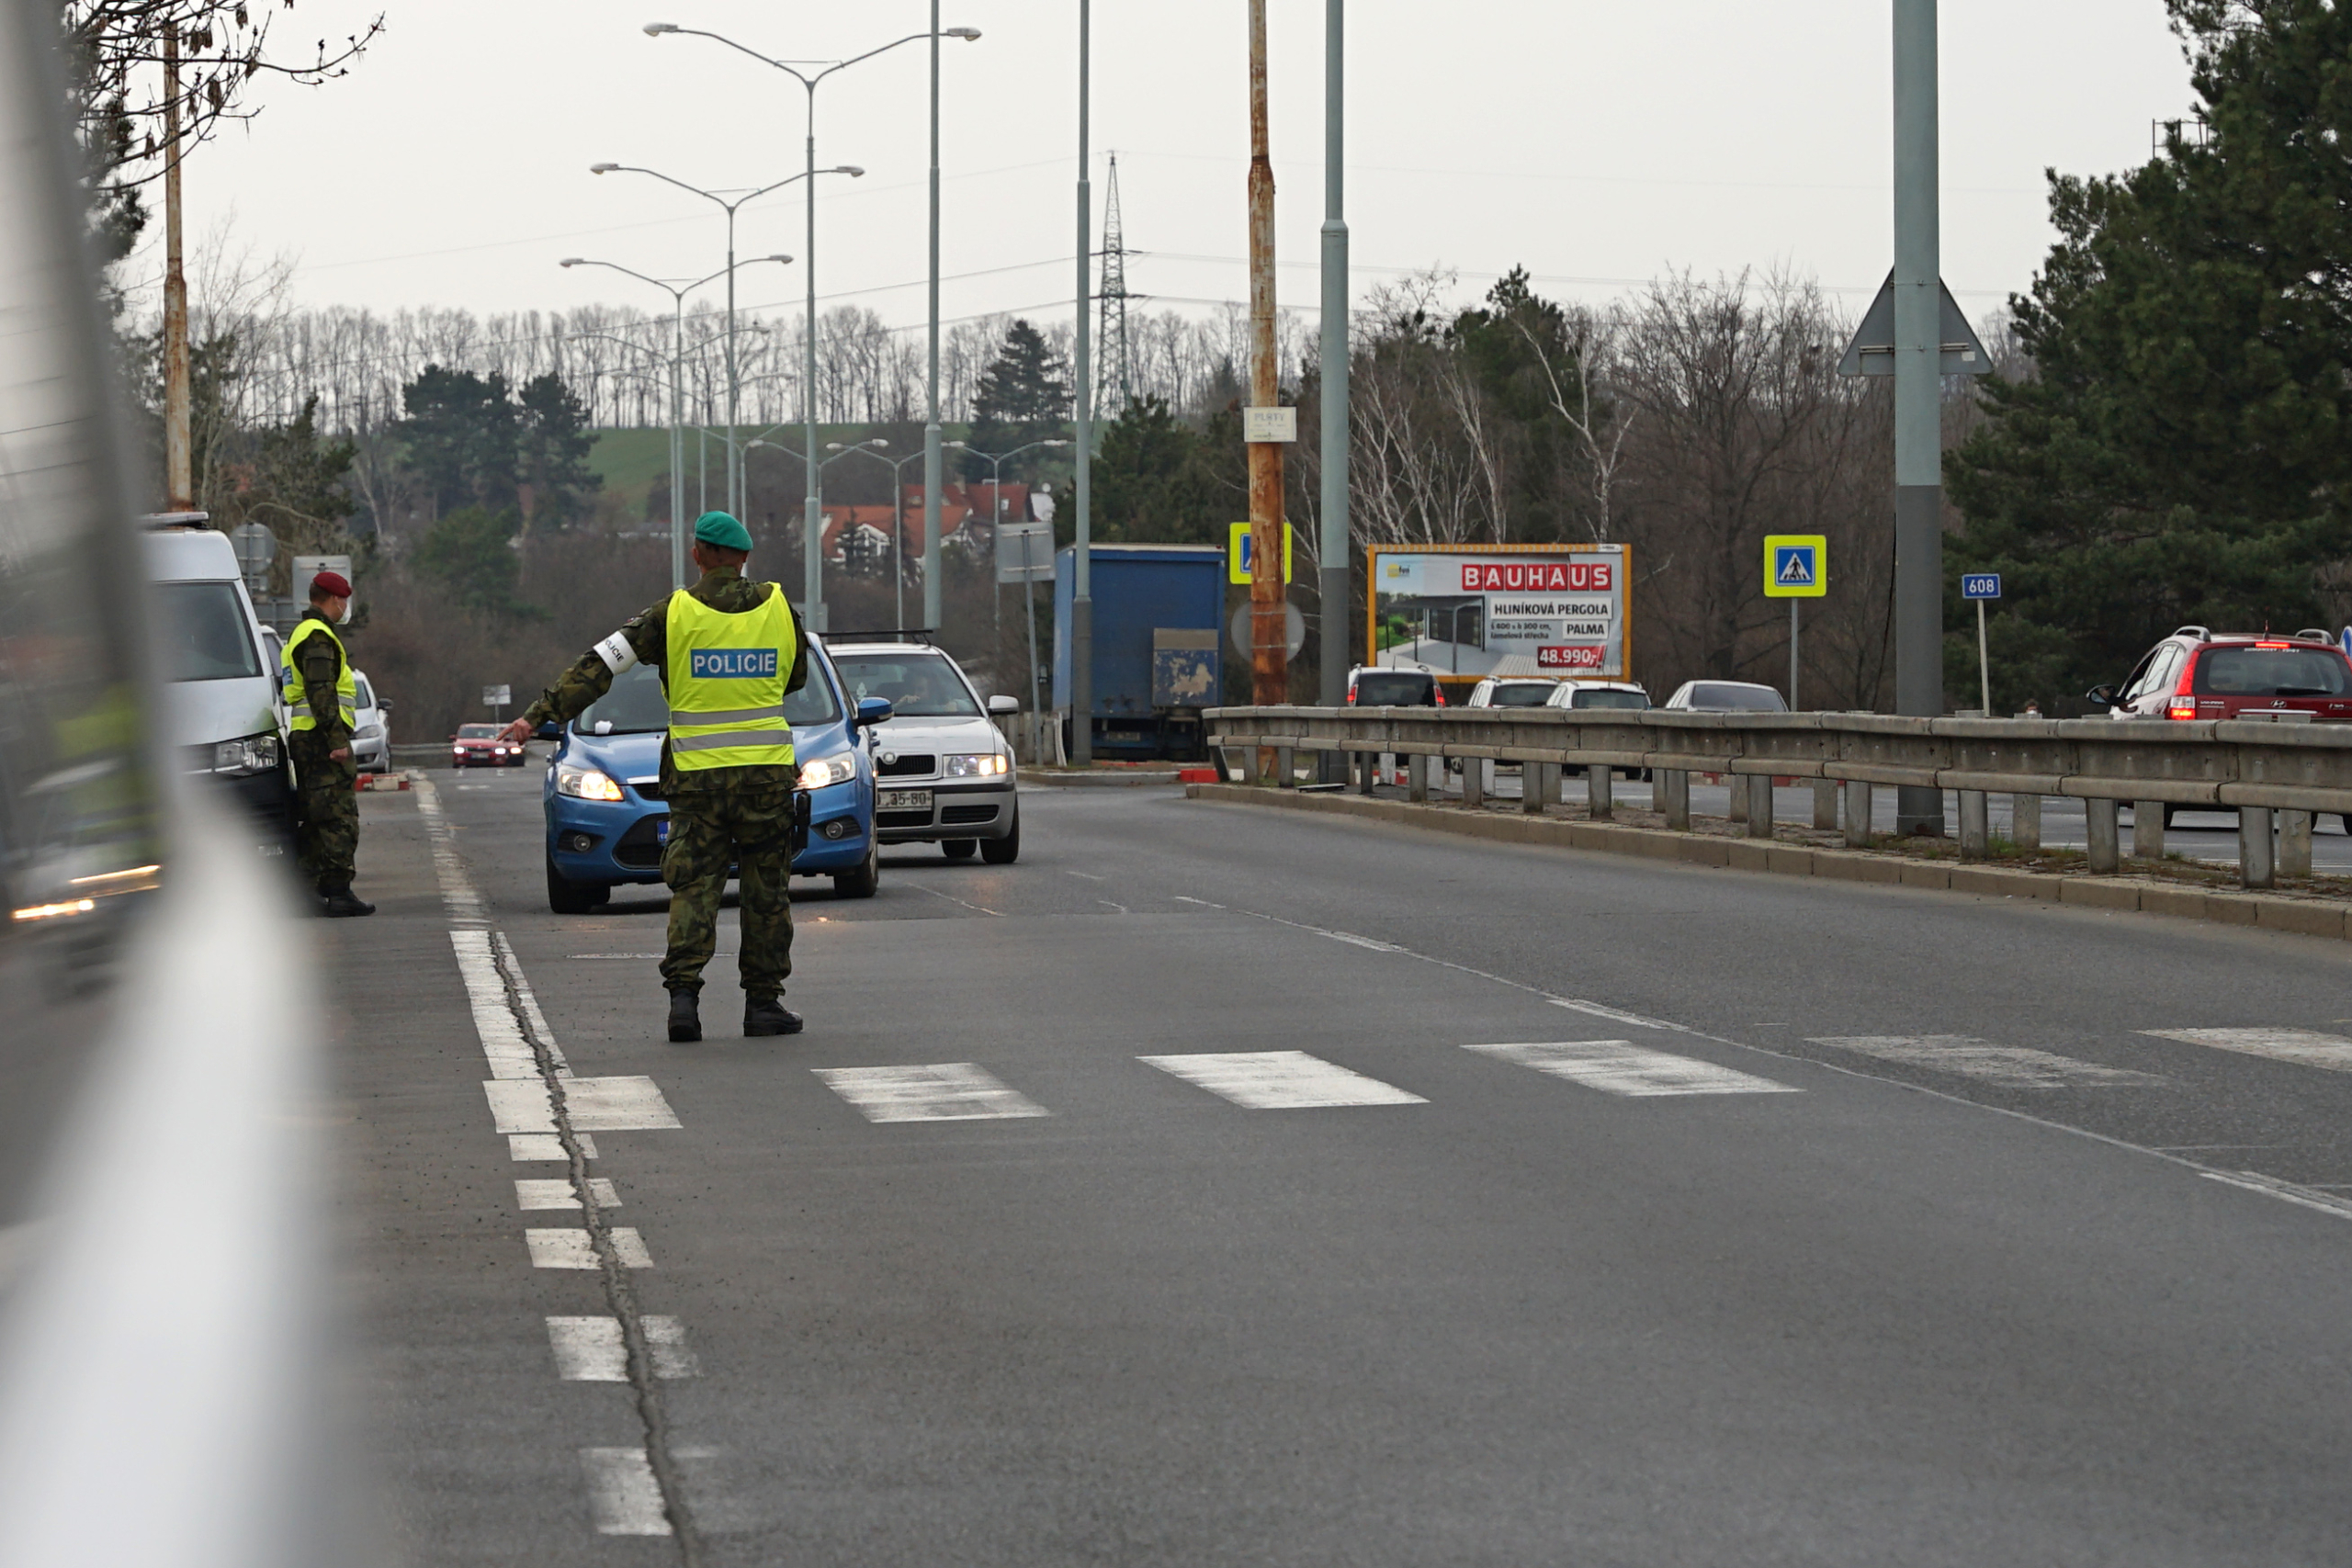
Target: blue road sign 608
[1980,585]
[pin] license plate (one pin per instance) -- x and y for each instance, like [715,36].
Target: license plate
[661,831]
[905,800]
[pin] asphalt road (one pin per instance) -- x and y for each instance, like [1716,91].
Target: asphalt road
[1541,1208]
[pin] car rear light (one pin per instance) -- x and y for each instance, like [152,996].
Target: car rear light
[2274,645]
[1441,693]
[2181,707]
[1351,696]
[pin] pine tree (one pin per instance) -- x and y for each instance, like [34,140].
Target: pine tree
[2178,451]
[459,437]
[1023,396]
[551,452]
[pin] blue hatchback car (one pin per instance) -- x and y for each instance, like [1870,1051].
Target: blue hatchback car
[607,819]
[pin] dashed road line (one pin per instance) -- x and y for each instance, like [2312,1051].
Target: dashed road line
[944,1091]
[1622,1068]
[577,1249]
[625,1497]
[980,909]
[2285,1191]
[562,1194]
[2307,1047]
[621,1104]
[590,1349]
[1279,1080]
[2011,1066]
[523,1148]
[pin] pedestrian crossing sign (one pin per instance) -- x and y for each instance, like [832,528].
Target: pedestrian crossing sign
[1796,566]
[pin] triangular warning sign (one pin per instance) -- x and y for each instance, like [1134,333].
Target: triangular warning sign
[1873,351]
[1796,568]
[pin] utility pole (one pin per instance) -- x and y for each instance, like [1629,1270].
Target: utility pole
[1332,581]
[931,613]
[1118,377]
[1919,387]
[179,464]
[1082,602]
[1269,625]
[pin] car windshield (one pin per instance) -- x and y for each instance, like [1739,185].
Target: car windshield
[477,732]
[1726,697]
[1519,694]
[1609,700]
[1393,689]
[636,704]
[203,634]
[916,685]
[366,697]
[2273,672]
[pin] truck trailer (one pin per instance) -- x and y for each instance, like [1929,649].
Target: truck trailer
[1157,613]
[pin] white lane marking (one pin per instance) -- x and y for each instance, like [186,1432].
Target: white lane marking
[1632,1019]
[457,896]
[1279,1080]
[530,1000]
[523,1147]
[623,1496]
[1087,875]
[570,1249]
[503,1043]
[2285,1192]
[2012,1067]
[935,893]
[590,1349]
[2307,1047]
[558,1194]
[1620,1066]
[596,1105]
[945,1091]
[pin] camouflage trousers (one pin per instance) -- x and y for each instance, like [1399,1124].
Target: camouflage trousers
[327,839]
[752,828]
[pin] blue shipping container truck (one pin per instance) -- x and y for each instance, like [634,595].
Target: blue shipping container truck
[1158,611]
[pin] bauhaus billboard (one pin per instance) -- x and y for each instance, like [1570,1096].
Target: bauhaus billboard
[1557,610]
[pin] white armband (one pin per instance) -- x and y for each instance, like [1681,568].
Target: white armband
[616,653]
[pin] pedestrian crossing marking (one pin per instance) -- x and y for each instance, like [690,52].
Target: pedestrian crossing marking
[1279,1080]
[1620,1066]
[945,1091]
[2012,1067]
[557,1193]
[623,1498]
[590,1349]
[2307,1047]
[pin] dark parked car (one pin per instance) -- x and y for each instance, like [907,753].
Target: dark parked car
[1372,687]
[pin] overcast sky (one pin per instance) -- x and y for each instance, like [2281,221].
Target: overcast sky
[1597,142]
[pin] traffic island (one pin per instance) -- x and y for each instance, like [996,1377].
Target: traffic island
[2315,905]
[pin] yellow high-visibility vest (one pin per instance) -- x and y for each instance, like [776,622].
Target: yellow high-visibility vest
[724,677]
[297,694]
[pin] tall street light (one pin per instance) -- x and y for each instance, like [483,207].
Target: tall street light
[1081,563]
[898,522]
[932,475]
[839,452]
[811,525]
[1335,551]
[734,379]
[677,292]
[996,519]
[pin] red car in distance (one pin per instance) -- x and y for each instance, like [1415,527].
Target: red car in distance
[478,746]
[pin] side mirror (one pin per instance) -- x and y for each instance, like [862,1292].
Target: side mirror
[383,704]
[551,730]
[2105,697]
[453,735]
[1003,705]
[873,710]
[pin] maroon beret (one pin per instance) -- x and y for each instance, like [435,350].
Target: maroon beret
[332,583]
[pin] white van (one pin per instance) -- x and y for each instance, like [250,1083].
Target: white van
[221,702]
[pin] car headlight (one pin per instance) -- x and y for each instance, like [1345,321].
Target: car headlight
[827,770]
[253,754]
[584,783]
[989,765]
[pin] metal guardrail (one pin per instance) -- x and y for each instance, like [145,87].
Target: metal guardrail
[2258,767]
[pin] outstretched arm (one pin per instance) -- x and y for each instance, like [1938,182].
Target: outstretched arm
[642,641]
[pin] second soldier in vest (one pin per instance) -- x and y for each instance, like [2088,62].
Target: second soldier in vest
[728,650]
[322,698]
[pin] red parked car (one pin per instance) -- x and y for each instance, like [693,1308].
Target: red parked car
[478,745]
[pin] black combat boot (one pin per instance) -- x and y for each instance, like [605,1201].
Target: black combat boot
[340,902]
[685,1017]
[768,1015]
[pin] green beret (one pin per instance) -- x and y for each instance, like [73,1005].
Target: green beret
[718,528]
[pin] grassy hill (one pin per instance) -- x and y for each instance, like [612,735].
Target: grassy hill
[630,462]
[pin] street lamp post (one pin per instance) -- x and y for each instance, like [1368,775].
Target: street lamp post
[734,378]
[898,525]
[812,566]
[677,293]
[996,519]
[1335,551]
[1081,573]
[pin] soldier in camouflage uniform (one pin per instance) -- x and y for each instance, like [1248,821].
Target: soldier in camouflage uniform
[718,815]
[319,692]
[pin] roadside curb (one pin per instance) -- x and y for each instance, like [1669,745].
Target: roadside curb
[2303,917]
[1075,780]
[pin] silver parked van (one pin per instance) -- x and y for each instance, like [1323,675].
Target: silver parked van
[222,706]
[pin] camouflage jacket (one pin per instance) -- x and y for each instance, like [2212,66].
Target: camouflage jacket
[722,588]
[319,663]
